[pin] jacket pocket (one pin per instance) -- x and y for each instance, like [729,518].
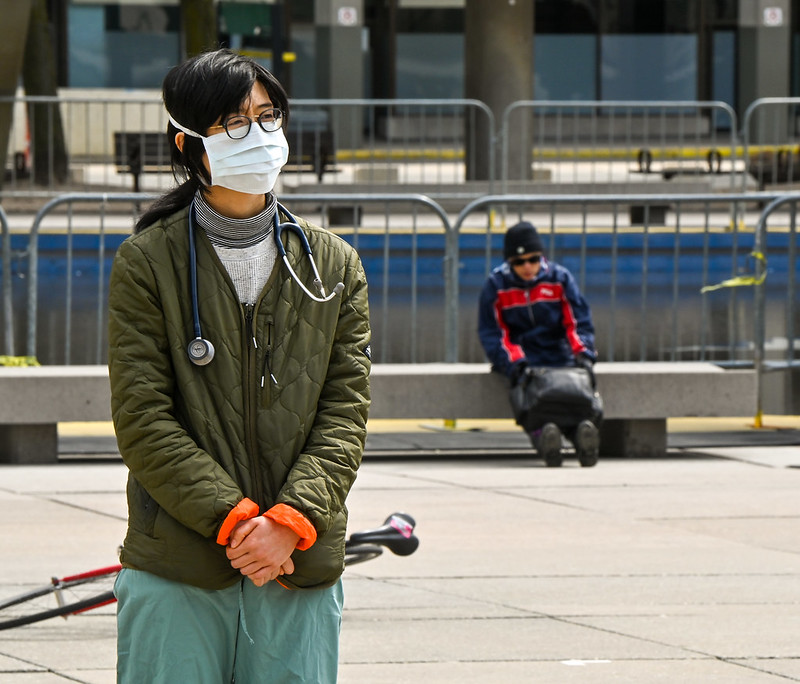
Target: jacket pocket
[320,566]
[143,509]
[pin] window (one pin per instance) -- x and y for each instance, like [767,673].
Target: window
[122,46]
[430,53]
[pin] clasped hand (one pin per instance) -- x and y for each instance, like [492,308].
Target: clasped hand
[261,549]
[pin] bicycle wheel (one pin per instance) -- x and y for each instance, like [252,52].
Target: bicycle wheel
[62,597]
[359,553]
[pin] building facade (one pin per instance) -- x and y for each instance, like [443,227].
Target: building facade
[733,51]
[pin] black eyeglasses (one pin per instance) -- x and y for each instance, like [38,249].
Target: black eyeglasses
[519,261]
[237,127]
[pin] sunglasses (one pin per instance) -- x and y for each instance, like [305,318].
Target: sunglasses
[519,261]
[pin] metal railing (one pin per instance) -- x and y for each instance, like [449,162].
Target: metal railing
[620,142]
[790,304]
[399,316]
[434,146]
[68,273]
[650,266]
[77,282]
[385,143]
[83,128]
[771,140]
[374,144]
[652,281]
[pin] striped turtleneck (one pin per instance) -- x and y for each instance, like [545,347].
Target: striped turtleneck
[231,232]
[243,245]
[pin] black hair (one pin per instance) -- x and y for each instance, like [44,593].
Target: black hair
[197,93]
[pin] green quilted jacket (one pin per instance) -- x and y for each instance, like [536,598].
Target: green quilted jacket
[278,416]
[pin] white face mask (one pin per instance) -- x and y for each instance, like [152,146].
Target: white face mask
[250,164]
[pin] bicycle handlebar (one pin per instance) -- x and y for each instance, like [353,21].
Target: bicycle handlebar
[396,534]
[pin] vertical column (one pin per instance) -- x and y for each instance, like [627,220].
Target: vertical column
[13,32]
[340,60]
[764,51]
[498,70]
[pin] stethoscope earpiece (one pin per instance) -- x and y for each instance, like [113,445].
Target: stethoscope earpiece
[200,350]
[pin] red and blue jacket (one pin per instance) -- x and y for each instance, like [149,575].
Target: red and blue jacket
[545,321]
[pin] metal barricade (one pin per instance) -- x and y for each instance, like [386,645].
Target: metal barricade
[762,309]
[406,258]
[72,266]
[626,145]
[653,282]
[771,140]
[658,270]
[403,244]
[86,144]
[117,144]
[385,143]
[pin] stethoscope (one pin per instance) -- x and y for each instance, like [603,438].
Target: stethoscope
[200,350]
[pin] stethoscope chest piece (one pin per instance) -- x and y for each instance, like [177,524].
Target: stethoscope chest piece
[200,351]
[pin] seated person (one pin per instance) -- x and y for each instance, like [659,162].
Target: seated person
[533,314]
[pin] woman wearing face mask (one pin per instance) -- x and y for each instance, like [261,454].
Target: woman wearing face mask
[238,468]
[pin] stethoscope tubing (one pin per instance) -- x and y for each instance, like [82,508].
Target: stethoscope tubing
[193,275]
[292,226]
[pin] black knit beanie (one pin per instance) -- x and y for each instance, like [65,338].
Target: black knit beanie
[521,238]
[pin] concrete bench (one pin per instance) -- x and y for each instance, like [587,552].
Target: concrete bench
[138,152]
[638,399]
[34,399]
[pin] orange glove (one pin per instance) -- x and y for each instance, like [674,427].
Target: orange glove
[296,521]
[244,510]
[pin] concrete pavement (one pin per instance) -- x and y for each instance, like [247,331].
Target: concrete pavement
[681,569]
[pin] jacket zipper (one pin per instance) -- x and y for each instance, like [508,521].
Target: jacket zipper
[267,368]
[530,304]
[250,403]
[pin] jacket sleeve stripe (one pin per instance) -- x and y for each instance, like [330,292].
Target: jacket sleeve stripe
[506,299]
[571,327]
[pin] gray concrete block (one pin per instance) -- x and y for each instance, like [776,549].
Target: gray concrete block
[29,443]
[52,394]
[634,438]
[438,390]
[649,390]
[642,394]
[667,389]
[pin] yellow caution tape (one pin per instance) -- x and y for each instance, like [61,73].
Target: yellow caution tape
[18,361]
[741,281]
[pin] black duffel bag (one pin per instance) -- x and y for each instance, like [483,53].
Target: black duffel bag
[564,396]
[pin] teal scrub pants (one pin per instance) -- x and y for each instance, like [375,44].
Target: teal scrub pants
[169,632]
